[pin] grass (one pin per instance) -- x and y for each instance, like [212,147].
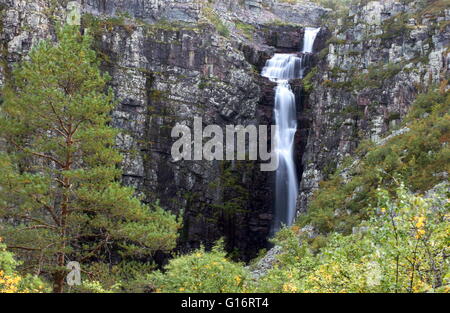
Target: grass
[247,29]
[216,21]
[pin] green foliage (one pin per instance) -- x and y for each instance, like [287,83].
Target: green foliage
[96,25]
[417,157]
[336,41]
[95,287]
[13,282]
[99,25]
[308,80]
[323,53]
[402,247]
[125,277]
[60,179]
[247,29]
[395,27]
[236,193]
[433,8]
[215,20]
[203,272]
[372,259]
[424,105]
[375,77]
[282,278]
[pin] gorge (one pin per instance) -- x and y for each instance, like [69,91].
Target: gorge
[340,80]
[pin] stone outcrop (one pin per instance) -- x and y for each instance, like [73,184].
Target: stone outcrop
[169,64]
[379,57]
[147,10]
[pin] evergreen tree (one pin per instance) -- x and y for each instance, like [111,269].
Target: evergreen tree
[59,185]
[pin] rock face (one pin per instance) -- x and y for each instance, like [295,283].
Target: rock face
[165,77]
[379,57]
[147,10]
[169,64]
[273,11]
[173,60]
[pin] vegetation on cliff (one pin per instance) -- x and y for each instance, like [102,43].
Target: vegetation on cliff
[420,157]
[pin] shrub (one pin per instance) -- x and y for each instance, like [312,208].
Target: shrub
[13,282]
[416,157]
[401,247]
[201,271]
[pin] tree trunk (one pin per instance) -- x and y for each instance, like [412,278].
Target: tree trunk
[60,275]
[58,280]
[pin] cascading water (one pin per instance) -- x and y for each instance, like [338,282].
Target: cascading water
[310,38]
[280,69]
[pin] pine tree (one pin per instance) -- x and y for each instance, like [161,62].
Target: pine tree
[60,191]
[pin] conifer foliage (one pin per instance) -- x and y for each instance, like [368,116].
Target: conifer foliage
[60,191]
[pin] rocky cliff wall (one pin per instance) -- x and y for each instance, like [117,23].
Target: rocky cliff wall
[171,61]
[379,57]
[174,60]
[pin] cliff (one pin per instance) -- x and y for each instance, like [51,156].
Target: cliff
[171,61]
[379,56]
[174,60]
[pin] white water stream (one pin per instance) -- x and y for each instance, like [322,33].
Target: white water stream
[280,69]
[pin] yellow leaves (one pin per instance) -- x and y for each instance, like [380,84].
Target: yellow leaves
[296,229]
[447,216]
[420,233]
[420,221]
[202,271]
[420,224]
[9,283]
[289,287]
[420,286]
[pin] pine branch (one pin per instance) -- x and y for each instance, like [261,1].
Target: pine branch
[23,248]
[48,208]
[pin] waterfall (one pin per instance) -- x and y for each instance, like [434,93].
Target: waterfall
[310,37]
[280,69]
